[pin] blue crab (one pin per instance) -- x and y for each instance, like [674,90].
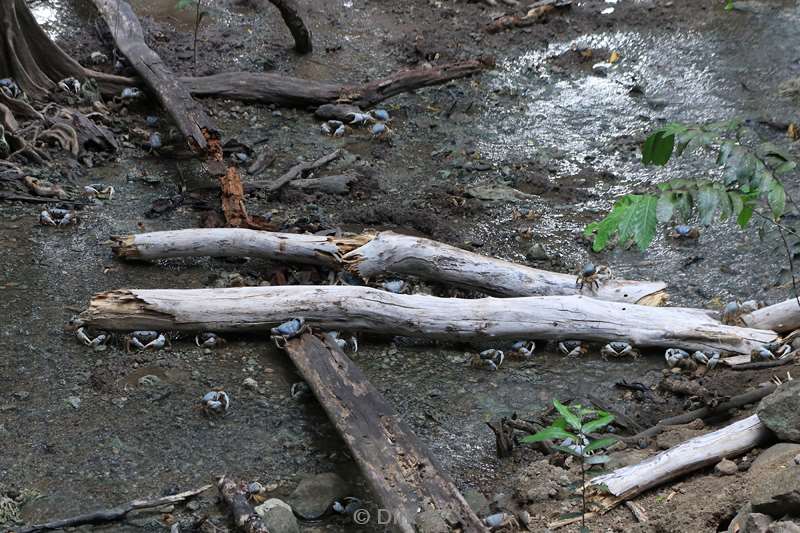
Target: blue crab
[145,340]
[572,348]
[523,349]
[208,340]
[490,359]
[683,231]
[674,356]
[216,402]
[591,275]
[617,350]
[290,329]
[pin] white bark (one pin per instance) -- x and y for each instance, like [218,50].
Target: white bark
[780,317]
[696,453]
[384,254]
[376,311]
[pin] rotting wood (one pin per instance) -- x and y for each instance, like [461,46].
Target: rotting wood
[402,474]
[354,308]
[384,254]
[235,498]
[703,413]
[780,317]
[298,29]
[113,514]
[609,490]
[188,115]
[298,92]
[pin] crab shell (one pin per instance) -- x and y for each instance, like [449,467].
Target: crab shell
[289,329]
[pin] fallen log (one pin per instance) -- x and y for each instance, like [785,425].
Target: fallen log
[402,474]
[609,490]
[105,516]
[188,115]
[297,92]
[299,31]
[353,308]
[384,254]
[780,317]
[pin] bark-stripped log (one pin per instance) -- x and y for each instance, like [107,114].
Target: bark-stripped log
[189,116]
[780,317]
[383,254]
[627,482]
[453,319]
[297,92]
[402,474]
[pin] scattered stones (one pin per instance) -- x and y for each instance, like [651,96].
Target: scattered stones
[780,411]
[726,467]
[315,494]
[250,383]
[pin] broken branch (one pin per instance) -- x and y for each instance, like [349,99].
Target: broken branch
[301,34]
[105,516]
[624,483]
[244,516]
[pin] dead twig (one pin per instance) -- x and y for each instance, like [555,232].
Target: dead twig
[300,170]
[114,514]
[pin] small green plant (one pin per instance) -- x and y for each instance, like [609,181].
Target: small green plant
[200,14]
[575,424]
[749,183]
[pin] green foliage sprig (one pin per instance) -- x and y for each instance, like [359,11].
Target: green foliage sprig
[750,180]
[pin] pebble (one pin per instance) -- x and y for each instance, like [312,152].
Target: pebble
[250,383]
[536,253]
[726,467]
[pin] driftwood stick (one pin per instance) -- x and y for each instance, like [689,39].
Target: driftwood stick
[451,319]
[780,317]
[298,171]
[608,490]
[383,254]
[298,92]
[114,514]
[188,115]
[235,497]
[759,365]
[402,474]
[301,34]
[703,413]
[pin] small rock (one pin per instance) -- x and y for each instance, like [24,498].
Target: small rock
[278,516]
[74,401]
[784,527]
[726,467]
[777,492]
[536,253]
[250,383]
[775,457]
[757,523]
[277,113]
[780,411]
[315,494]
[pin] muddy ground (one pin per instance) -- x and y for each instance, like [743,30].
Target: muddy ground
[542,122]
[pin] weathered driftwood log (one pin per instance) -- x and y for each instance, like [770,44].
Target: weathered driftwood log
[453,319]
[298,171]
[780,317]
[624,483]
[402,474]
[297,92]
[383,254]
[300,33]
[188,115]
